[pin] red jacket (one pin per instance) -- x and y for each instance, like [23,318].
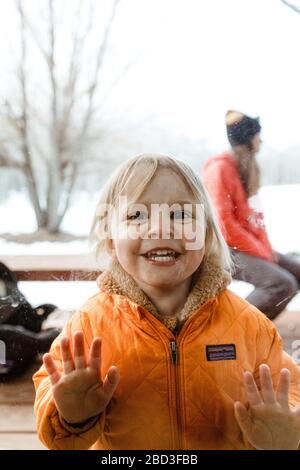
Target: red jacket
[242,227]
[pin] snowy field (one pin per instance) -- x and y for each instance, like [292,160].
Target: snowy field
[279,203]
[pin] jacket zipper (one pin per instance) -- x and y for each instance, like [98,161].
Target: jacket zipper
[174,359]
[174,353]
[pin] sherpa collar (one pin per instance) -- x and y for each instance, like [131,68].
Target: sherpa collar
[207,282]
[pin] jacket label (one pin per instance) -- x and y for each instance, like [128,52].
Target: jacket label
[221,352]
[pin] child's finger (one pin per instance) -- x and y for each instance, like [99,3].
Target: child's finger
[242,417]
[51,369]
[111,381]
[79,359]
[252,391]
[95,357]
[282,392]
[266,384]
[67,360]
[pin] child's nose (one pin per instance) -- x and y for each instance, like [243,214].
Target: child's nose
[160,228]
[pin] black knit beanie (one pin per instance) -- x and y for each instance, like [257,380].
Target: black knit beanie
[241,128]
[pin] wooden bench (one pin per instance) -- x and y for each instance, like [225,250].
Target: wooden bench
[53,267]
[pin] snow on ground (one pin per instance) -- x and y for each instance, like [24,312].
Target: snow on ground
[65,294]
[279,203]
[17,216]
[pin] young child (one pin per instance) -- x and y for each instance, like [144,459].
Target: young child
[164,356]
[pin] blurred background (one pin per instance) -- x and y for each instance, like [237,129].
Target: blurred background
[88,84]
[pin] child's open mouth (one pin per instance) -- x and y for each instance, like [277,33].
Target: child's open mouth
[164,257]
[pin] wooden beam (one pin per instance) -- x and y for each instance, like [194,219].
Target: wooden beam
[53,267]
[66,275]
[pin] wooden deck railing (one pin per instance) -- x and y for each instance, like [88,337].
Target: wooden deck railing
[52,267]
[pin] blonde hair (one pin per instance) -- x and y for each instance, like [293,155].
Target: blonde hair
[121,183]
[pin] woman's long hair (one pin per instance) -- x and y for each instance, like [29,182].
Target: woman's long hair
[248,168]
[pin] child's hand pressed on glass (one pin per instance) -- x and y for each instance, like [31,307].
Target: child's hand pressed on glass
[269,422]
[79,391]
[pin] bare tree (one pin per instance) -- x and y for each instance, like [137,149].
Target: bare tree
[50,140]
[291,5]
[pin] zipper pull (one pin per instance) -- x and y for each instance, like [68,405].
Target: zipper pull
[174,351]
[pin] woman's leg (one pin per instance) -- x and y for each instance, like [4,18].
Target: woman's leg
[291,264]
[274,285]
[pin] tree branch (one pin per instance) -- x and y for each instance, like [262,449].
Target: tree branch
[124,71]
[36,38]
[68,190]
[70,95]
[7,162]
[99,61]
[290,5]
[23,129]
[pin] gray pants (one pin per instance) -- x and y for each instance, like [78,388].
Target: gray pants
[275,284]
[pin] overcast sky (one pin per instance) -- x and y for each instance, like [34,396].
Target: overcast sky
[198,58]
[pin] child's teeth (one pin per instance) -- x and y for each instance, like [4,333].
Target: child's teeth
[162,258]
[162,253]
[167,256]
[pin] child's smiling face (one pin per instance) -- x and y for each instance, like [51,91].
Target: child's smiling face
[154,250]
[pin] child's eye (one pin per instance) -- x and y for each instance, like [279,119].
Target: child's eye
[180,215]
[137,215]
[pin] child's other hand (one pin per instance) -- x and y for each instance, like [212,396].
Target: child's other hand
[79,391]
[269,423]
